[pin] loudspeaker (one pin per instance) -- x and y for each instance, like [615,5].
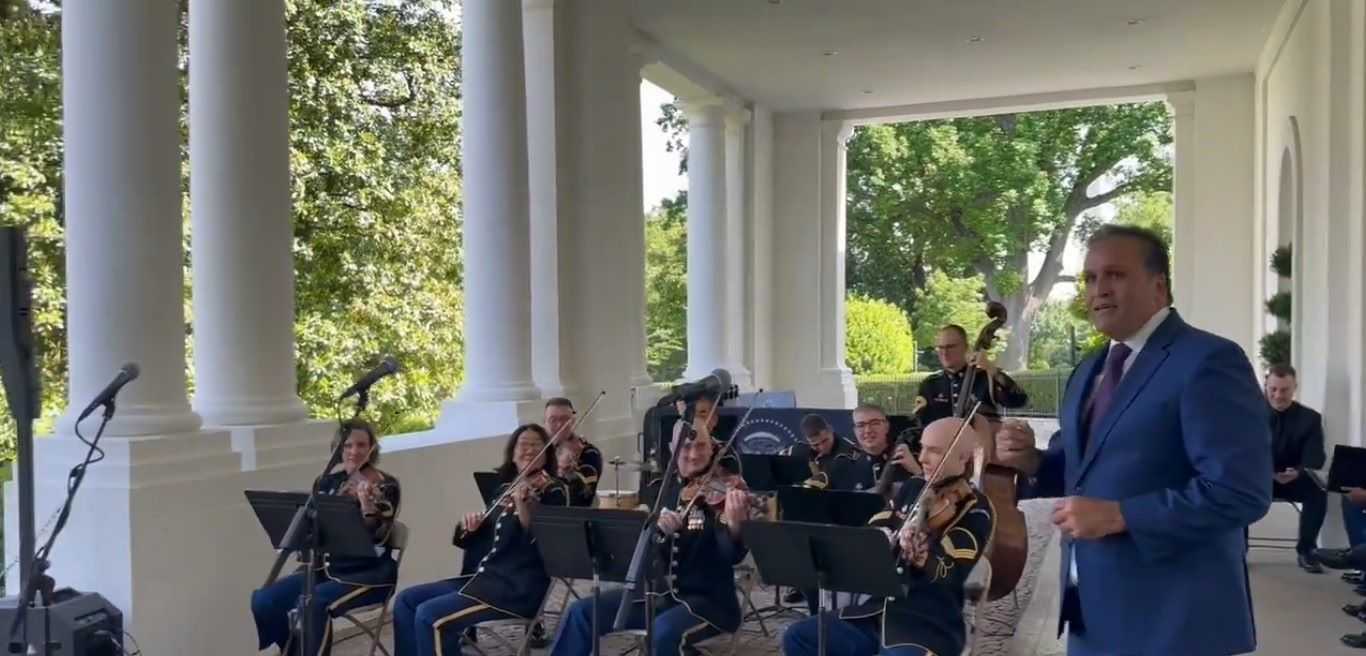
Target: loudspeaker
[18,362]
[76,624]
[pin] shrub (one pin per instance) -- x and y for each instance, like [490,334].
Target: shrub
[878,337]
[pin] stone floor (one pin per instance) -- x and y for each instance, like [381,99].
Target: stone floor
[1297,613]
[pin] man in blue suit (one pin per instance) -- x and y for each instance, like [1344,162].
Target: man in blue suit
[1160,465]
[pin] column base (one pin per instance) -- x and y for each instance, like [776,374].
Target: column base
[304,443]
[829,388]
[161,529]
[134,420]
[251,412]
[466,420]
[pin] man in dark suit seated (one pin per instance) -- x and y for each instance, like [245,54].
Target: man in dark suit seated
[1297,446]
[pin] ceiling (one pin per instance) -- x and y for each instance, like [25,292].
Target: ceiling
[901,52]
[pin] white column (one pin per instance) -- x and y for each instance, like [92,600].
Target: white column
[123,221]
[634,238]
[834,374]
[240,208]
[736,261]
[497,242]
[707,347]
[1182,108]
[547,365]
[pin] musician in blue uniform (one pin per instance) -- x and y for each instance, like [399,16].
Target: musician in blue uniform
[342,582]
[579,462]
[510,581]
[836,464]
[933,562]
[940,391]
[693,585]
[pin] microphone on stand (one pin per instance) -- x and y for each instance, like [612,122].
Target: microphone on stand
[713,385]
[387,367]
[127,374]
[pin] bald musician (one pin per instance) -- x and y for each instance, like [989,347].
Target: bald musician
[933,565]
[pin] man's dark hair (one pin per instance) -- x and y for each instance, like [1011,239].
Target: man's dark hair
[1281,371]
[955,328]
[559,402]
[813,424]
[871,407]
[1158,258]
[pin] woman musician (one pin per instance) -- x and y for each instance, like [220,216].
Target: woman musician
[510,580]
[342,582]
[933,560]
[694,581]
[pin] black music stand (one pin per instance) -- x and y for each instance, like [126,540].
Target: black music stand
[767,473]
[336,528]
[488,483]
[840,507]
[589,543]
[1348,468]
[837,558]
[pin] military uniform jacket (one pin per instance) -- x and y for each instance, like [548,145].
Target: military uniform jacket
[931,613]
[379,569]
[883,461]
[845,467]
[583,482]
[940,391]
[695,567]
[511,577]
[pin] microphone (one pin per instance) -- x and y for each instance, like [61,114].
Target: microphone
[126,375]
[387,367]
[713,384]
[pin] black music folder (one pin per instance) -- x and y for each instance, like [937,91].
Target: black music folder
[1348,469]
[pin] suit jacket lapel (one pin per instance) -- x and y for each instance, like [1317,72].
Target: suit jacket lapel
[1152,356]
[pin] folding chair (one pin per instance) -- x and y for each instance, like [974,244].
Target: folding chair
[976,589]
[489,628]
[398,540]
[1274,542]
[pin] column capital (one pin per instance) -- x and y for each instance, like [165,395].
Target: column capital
[736,115]
[839,131]
[1181,103]
[537,5]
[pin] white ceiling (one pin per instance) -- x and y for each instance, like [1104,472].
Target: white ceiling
[917,51]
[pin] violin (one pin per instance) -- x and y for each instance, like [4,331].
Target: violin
[711,492]
[365,482]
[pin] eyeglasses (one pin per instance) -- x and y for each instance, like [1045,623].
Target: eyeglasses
[947,347]
[864,425]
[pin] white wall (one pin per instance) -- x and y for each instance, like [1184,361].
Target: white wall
[1310,105]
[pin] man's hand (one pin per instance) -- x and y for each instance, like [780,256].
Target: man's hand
[1015,448]
[1287,476]
[915,547]
[987,365]
[1084,518]
[1357,496]
[902,456]
[737,508]
[472,521]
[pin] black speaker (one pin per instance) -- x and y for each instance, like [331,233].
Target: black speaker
[18,362]
[76,624]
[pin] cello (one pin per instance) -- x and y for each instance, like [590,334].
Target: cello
[1010,545]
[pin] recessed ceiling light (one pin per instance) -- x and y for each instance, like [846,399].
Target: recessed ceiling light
[975,39]
[831,53]
[775,2]
[868,92]
[1134,67]
[1135,21]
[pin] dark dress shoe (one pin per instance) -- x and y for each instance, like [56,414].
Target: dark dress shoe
[1308,564]
[794,597]
[1360,589]
[1334,558]
[1357,640]
[1353,609]
[1354,576]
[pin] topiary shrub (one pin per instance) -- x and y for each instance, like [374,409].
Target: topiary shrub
[877,337]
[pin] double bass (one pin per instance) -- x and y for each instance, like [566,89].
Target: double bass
[1010,545]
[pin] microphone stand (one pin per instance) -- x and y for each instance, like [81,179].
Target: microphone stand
[302,627]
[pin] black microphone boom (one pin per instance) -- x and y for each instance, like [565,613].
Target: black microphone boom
[713,384]
[387,367]
[127,374]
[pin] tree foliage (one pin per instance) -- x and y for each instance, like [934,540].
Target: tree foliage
[878,337]
[374,126]
[666,289]
[977,196]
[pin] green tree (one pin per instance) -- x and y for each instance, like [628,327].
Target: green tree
[979,195]
[878,337]
[666,289]
[1053,328]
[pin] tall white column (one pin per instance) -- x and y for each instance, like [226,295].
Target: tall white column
[707,306]
[737,263]
[123,221]
[240,208]
[1182,108]
[834,374]
[497,242]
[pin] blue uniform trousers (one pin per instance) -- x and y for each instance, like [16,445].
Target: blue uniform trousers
[433,614]
[843,638]
[271,605]
[673,628]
